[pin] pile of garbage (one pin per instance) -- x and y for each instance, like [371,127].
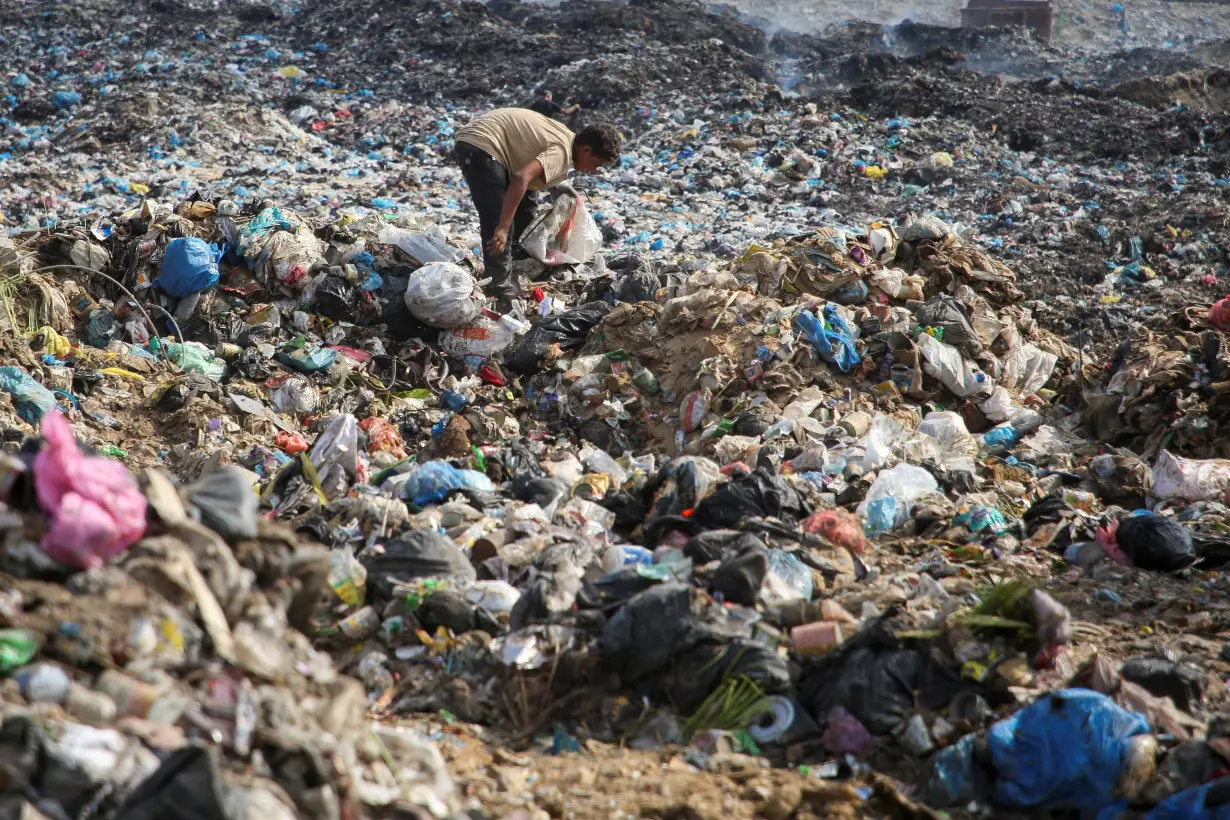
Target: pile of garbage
[861,449]
[804,498]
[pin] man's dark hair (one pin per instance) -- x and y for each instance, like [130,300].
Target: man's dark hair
[602,139]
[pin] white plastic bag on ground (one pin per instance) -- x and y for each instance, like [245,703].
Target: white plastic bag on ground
[949,430]
[443,295]
[1190,479]
[564,235]
[906,483]
[998,405]
[482,337]
[1027,368]
[945,362]
[424,246]
[882,438]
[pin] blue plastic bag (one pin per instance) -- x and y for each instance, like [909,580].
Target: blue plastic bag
[835,343]
[32,399]
[432,483]
[1003,436]
[1063,750]
[188,266]
[306,361]
[881,515]
[1191,804]
[66,99]
[955,778]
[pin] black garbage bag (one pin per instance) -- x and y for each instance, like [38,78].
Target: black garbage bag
[676,644]
[336,298]
[642,637]
[630,510]
[946,312]
[417,554]
[1184,683]
[252,364]
[1156,542]
[678,486]
[633,278]
[541,490]
[263,332]
[758,494]
[739,578]
[755,420]
[226,503]
[878,678]
[568,330]
[1050,510]
[718,545]
[452,611]
[695,674]
[185,785]
[614,588]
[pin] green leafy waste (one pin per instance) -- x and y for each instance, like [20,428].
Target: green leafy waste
[732,707]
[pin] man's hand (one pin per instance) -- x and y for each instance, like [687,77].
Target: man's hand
[498,242]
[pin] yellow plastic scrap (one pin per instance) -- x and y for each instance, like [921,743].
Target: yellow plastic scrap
[121,373]
[439,644]
[941,159]
[53,342]
[291,72]
[875,172]
[139,188]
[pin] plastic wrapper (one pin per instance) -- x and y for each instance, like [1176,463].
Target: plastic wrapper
[443,295]
[295,397]
[195,357]
[424,247]
[949,430]
[693,408]
[1027,368]
[381,435]
[788,579]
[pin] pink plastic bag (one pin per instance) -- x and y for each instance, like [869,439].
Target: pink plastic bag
[96,509]
[838,527]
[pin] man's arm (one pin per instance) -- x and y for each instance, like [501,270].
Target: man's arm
[572,109]
[517,186]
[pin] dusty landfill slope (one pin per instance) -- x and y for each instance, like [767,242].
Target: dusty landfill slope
[872,466]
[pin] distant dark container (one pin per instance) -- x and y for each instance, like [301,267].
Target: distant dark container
[1039,15]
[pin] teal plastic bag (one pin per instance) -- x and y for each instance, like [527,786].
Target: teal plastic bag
[32,399]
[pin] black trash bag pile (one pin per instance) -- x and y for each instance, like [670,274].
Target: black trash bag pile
[879,679]
[568,330]
[672,643]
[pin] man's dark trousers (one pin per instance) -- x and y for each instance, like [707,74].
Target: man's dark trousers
[488,181]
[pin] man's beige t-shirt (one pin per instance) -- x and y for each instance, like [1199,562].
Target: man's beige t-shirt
[516,137]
